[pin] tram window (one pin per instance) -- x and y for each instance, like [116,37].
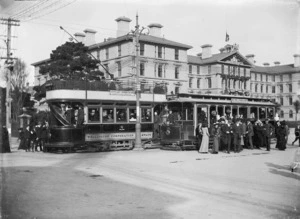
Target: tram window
[132,115]
[146,115]
[108,115]
[94,115]
[121,115]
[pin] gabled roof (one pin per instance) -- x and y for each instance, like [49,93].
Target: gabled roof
[276,69]
[216,58]
[143,38]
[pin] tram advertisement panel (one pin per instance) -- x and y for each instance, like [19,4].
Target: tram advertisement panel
[115,136]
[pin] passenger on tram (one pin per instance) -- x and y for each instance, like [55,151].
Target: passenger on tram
[93,116]
[109,118]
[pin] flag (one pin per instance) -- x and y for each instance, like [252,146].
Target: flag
[227,37]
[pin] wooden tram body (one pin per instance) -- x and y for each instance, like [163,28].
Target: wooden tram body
[194,109]
[106,130]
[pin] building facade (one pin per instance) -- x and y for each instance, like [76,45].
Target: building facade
[162,61]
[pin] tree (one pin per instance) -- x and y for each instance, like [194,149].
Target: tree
[297,107]
[19,88]
[72,61]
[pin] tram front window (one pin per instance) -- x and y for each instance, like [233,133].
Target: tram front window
[108,115]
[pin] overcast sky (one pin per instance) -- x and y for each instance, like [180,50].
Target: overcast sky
[265,28]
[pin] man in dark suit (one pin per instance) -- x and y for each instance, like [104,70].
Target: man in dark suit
[249,134]
[269,129]
[237,131]
[226,135]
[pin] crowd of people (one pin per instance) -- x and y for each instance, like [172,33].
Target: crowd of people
[235,135]
[33,138]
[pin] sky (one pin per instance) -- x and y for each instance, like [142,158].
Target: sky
[265,28]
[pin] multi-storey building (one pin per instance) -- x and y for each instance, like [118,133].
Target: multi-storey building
[167,62]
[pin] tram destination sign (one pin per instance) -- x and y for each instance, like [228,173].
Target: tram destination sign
[115,136]
[239,100]
[123,93]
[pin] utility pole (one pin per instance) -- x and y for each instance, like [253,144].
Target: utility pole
[9,62]
[138,140]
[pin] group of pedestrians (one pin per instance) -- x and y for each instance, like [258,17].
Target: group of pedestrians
[33,137]
[235,135]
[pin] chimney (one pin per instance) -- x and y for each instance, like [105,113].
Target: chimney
[297,60]
[266,64]
[79,37]
[155,29]
[206,51]
[90,37]
[276,63]
[222,50]
[250,58]
[123,26]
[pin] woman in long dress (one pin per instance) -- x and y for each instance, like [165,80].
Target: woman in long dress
[205,139]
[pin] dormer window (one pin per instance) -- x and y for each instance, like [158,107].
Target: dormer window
[159,53]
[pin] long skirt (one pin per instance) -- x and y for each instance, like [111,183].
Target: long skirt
[204,144]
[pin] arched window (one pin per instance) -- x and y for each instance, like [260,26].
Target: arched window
[291,114]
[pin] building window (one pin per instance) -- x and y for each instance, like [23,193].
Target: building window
[209,69]
[273,89]
[245,72]
[119,50]
[267,89]
[119,69]
[267,78]
[176,90]
[190,69]
[245,85]
[261,77]
[262,88]
[282,114]
[255,76]
[190,82]
[98,54]
[222,69]
[281,78]
[106,53]
[273,78]
[198,83]
[290,101]
[233,69]
[176,72]
[290,88]
[290,77]
[291,114]
[106,70]
[159,52]
[228,69]
[281,88]
[281,100]
[159,71]
[239,71]
[142,49]
[142,69]
[256,88]
[176,54]
[198,69]
[209,82]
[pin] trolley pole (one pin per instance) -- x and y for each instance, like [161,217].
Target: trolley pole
[138,141]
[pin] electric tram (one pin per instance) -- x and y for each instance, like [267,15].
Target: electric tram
[106,120]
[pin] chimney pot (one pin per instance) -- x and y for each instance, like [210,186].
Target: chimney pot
[266,64]
[250,58]
[297,60]
[206,51]
[155,29]
[276,63]
[90,37]
[123,26]
[79,37]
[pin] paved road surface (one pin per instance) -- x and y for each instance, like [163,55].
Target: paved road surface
[150,184]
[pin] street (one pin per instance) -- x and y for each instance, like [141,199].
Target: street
[150,184]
